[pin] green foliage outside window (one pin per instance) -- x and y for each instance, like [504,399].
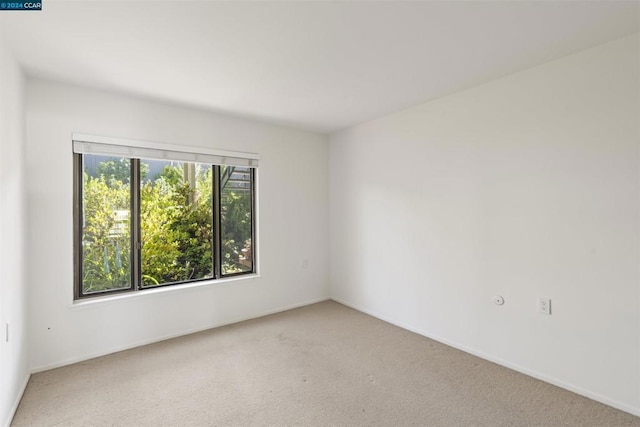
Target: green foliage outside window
[177,231]
[105,243]
[176,227]
[236,231]
[119,170]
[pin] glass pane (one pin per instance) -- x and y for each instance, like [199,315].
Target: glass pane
[176,222]
[106,244]
[235,219]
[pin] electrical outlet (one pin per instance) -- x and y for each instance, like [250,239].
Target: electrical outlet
[544,305]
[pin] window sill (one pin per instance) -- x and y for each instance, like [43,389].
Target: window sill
[106,299]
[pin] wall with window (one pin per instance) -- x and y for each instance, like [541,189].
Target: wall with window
[524,187]
[14,360]
[292,223]
[144,220]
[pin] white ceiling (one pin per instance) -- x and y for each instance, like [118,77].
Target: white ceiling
[319,66]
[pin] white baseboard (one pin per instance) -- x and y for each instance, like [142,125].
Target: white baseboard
[73,360]
[559,383]
[14,408]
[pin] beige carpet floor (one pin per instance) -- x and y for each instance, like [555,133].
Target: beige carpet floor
[320,365]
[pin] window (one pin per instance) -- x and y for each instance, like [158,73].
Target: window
[147,217]
[236,220]
[176,222]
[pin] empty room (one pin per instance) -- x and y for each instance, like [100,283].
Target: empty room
[320,213]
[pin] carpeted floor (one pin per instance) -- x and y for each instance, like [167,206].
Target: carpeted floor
[320,365]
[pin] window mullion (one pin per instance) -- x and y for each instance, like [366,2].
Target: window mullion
[77,223]
[253,220]
[136,246]
[217,242]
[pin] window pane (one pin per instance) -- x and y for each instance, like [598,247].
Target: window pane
[106,244]
[176,222]
[235,219]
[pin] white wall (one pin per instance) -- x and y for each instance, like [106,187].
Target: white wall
[527,186]
[293,223]
[14,360]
